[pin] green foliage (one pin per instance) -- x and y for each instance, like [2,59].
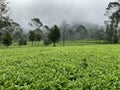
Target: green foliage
[84,64]
[4,19]
[115,39]
[100,34]
[7,39]
[69,68]
[35,22]
[54,34]
[46,42]
[38,36]
[34,36]
[109,33]
[113,13]
[4,24]
[22,42]
[31,36]
[82,32]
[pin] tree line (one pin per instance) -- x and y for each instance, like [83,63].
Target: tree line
[11,31]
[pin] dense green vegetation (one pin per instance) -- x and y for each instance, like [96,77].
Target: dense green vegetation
[59,44]
[82,60]
[10,30]
[95,67]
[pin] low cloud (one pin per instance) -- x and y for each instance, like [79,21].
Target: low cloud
[55,11]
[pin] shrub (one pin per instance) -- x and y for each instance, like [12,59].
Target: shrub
[7,39]
[22,42]
[46,42]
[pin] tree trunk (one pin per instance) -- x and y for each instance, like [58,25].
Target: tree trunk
[63,38]
[38,43]
[35,43]
[99,41]
[54,44]
[32,43]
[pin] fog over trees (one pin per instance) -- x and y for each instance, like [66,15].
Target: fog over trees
[71,30]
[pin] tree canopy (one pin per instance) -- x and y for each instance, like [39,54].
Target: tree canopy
[54,34]
[112,25]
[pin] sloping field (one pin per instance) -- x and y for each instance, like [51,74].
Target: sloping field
[93,67]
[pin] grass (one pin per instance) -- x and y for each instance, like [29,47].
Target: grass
[94,67]
[59,44]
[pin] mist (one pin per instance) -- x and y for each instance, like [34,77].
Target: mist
[53,12]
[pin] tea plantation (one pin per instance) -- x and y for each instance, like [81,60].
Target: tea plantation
[91,67]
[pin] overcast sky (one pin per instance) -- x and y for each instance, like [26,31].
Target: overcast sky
[55,11]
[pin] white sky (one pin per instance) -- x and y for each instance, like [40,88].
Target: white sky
[55,11]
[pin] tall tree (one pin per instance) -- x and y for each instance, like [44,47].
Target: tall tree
[100,34]
[17,31]
[7,39]
[31,36]
[71,34]
[82,32]
[46,33]
[37,36]
[113,12]
[54,34]
[46,30]
[4,18]
[37,33]
[109,32]
[64,27]
[36,24]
